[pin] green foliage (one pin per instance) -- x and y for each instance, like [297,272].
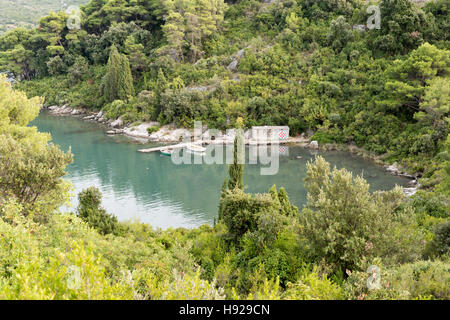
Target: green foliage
[265,230]
[154,129]
[424,279]
[78,70]
[240,212]
[184,287]
[118,78]
[421,280]
[322,137]
[340,34]
[344,223]
[181,106]
[90,210]
[400,29]
[297,63]
[56,66]
[440,245]
[115,109]
[65,259]
[236,170]
[31,169]
[189,23]
[313,287]
[26,13]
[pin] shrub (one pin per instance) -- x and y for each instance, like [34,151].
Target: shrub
[440,245]
[322,138]
[182,287]
[313,287]
[90,210]
[424,279]
[56,66]
[115,109]
[344,222]
[153,129]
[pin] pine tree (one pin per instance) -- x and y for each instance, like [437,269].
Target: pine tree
[118,79]
[189,22]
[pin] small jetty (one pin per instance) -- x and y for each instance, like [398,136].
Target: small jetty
[172,147]
[222,142]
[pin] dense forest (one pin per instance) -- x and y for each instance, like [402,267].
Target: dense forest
[314,65]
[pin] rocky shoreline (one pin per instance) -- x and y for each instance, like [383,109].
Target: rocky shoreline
[394,169]
[171,134]
[414,183]
[164,134]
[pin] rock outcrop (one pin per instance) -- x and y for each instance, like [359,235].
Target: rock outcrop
[139,131]
[117,123]
[314,145]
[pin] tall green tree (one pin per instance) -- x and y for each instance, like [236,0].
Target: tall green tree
[236,170]
[118,79]
[125,85]
[161,86]
[174,29]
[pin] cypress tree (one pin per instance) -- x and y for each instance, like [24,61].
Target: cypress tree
[118,79]
[125,84]
[112,73]
[161,86]
[222,194]
[236,170]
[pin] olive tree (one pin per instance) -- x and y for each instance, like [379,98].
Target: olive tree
[344,223]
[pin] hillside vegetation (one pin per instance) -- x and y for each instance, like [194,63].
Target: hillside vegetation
[309,64]
[26,13]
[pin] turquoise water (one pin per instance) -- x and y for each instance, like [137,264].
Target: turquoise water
[152,189]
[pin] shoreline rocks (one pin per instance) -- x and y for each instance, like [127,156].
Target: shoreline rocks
[396,171]
[114,131]
[117,123]
[410,191]
[414,184]
[139,131]
[64,110]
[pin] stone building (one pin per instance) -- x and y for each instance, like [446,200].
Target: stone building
[270,133]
